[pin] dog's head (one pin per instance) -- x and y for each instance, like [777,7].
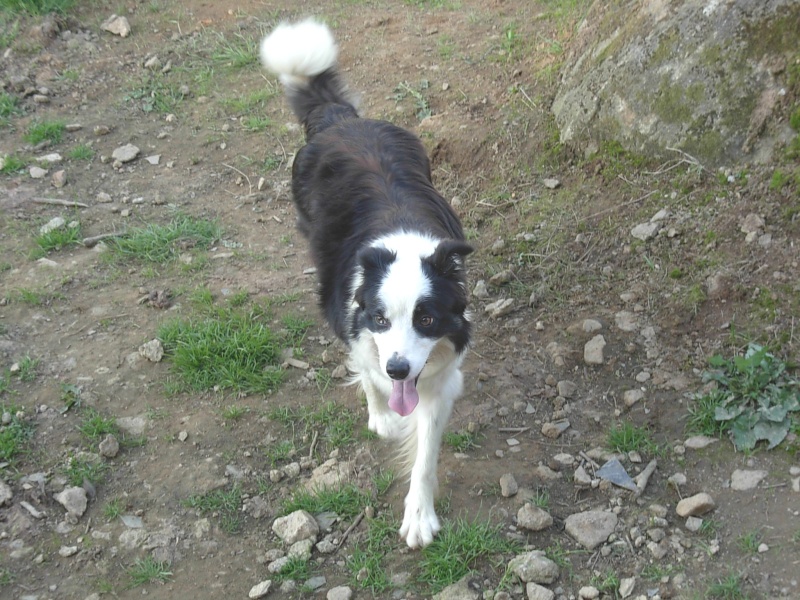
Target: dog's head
[411,298]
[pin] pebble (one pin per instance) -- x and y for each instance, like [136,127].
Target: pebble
[152,350]
[74,500]
[5,493]
[588,592]
[126,153]
[698,442]
[296,526]
[117,25]
[626,321]
[109,447]
[645,231]
[480,290]
[631,397]
[626,586]
[696,505]
[551,184]
[694,524]
[37,172]
[534,566]
[59,179]
[260,589]
[67,551]
[533,518]
[566,388]
[593,351]
[341,592]
[752,223]
[499,308]
[52,225]
[508,485]
[460,590]
[534,591]
[591,325]
[555,429]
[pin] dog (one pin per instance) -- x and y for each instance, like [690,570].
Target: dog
[389,252]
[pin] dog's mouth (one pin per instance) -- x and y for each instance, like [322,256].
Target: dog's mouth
[404,397]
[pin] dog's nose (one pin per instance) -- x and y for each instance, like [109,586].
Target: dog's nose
[397,368]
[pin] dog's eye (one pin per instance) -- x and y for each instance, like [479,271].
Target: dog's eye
[380,321]
[426,320]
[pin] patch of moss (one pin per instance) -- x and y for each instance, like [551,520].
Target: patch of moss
[708,144]
[774,35]
[665,49]
[670,103]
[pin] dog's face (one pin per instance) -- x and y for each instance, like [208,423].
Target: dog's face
[410,299]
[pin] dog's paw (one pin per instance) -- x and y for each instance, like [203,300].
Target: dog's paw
[420,524]
[386,426]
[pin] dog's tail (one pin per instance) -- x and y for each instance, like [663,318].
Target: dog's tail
[303,55]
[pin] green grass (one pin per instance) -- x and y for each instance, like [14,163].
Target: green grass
[58,238]
[749,542]
[155,93]
[755,399]
[255,123]
[95,426]
[461,441]
[13,164]
[335,424]
[13,436]
[656,571]
[227,349]
[280,452]
[237,52]
[79,468]
[9,107]
[41,131]
[347,501]
[28,368]
[36,7]
[297,327]
[368,554]
[251,102]
[6,577]
[726,588]
[626,437]
[81,152]
[296,569]
[383,480]
[233,412]
[113,509]
[226,504]
[542,498]
[161,244]
[457,550]
[148,570]
[606,583]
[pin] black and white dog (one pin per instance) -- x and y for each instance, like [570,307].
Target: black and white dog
[389,253]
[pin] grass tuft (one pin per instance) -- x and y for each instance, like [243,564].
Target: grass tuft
[346,501]
[226,504]
[629,438]
[59,238]
[163,243]
[14,435]
[366,563]
[148,570]
[41,131]
[36,7]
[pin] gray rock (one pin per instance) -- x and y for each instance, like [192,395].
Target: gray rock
[74,500]
[67,551]
[752,223]
[52,225]
[698,442]
[645,231]
[301,549]
[743,480]
[508,485]
[329,474]
[499,308]
[591,325]
[533,518]
[480,290]
[460,590]
[341,592]
[626,586]
[260,589]
[134,426]
[696,505]
[694,524]
[314,583]
[109,447]
[152,350]
[126,153]
[588,592]
[299,525]
[37,172]
[117,25]
[631,397]
[534,591]
[534,567]
[5,493]
[593,351]
[626,321]
[551,184]
[591,528]
[566,388]
[277,565]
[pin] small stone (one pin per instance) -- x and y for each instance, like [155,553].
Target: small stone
[588,592]
[533,518]
[501,278]
[551,184]
[631,397]
[109,447]
[699,504]
[591,528]
[341,592]
[699,442]
[183,435]
[498,247]
[59,179]
[752,223]
[52,158]
[591,325]
[694,524]
[153,159]
[74,500]
[593,350]
[659,216]
[480,290]
[508,485]
[743,480]
[626,321]
[566,388]
[534,591]
[260,589]
[103,198]
[5,493]
[534,566]
[152,63]
[37,172]
[645,231]
[762,547]
[152,350]
[301,549]
[626,586]
[125,153]
[500,307]
[67,551]
[581,477]
[117,25]
[554,430]
[296,526]
[461,590]
[52,225]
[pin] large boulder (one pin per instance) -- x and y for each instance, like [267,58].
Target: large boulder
[707,77]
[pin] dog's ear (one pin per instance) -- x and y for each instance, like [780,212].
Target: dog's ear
[375,262]
[448,258]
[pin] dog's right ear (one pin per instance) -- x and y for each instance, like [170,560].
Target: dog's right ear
[374,261]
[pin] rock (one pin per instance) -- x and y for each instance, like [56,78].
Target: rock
[551,184]
[501,278]
[52,225]
[752,223]
[696,505]
[626,585]
[694,524]
[153,159]
[508,485]
[67,551]
[260,589]
[626,321]
[74,500]
[152,350]
[301,549]
[117,25]
[534,567]
[480,290]
[153,63]
[762,548]
[331,473]
[593,351]
[50,159]
[499,308]
[591,325]
[109,447]
[591,528]
[37,172]
[134,426]
[314,583]
[645,231]
[631,397]
[295,527]
[534,591]
[460,590]
[126,153]
[554,430]
[497,248]
[588,592]
[103,198]
[743,480]
[566,388]
[5,493]
[698,442]
[581,477]
[533,518]
[59,179]
[341,592]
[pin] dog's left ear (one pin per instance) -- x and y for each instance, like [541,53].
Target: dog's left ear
[448,258]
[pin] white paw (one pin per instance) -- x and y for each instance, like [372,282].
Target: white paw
[385,425]
[420,523]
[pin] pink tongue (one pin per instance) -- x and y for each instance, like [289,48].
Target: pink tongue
[404,397]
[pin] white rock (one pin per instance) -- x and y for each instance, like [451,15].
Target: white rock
[299,525]
[117,25]
[694,524]
[534,566]
[37,172]
[593,350]
[500,307]
[626,586]
[743,480]
[125,153]
[74,500]
[697,442]
[591,325]
[5,493]
[152,350]
[551,184]
[699,504]
[52,158]
[591,528]
[631,397]
[480,290]
[659,216]
[533,518]
[52,225]
[534,591]
[341,592]
[645,231]
[134,426]
[67,551]
[588,592]
[260,589]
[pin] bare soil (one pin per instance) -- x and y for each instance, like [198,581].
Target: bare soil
[486,71]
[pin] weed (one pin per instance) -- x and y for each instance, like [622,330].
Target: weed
[754,398]
[445,46]
[346,501]
[368,554]
[36,7]
[233,412]
[336,424]
[59,238]
[607,583]
[148,570]
[41,131]
[383,481]
[27,368]
[280,452]
[296,569]
[9,107]
[227,504]
[96,426]
[14,434]
[296,327]
[228,350]
[6,577]
[656,571]
[113,509]
[510,42]
[163,243]
[252,102]
[709,528]
[153,94]
[236,300]
[629,438]
[457,550]
[239,52]
[12,164]
[749,542]
[255,123]
[81,152]
[727,588]
[80,468]
[421,104]
[542,498]
[461,441]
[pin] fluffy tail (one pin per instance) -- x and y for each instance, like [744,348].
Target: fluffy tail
[303,55]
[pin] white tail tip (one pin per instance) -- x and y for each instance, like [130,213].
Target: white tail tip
[297,51]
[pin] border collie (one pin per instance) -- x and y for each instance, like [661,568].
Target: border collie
[389,253]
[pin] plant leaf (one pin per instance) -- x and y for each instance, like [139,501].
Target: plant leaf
[774,433]
[743,436]
[723,413]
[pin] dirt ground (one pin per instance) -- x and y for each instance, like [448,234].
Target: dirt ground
[475,79]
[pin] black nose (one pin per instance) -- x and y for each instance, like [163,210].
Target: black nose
[397,368]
